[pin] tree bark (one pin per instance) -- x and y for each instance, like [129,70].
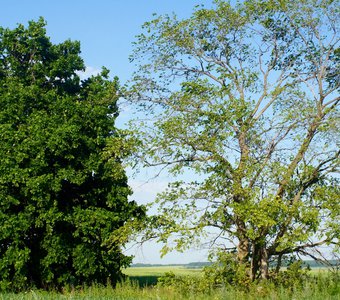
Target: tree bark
[264,263]
[254,263]
[243,244]
[243,250]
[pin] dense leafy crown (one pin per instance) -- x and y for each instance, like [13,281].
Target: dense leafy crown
[60,196]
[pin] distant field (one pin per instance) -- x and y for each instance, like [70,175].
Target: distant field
[183,270]
[160,270]
[146,276]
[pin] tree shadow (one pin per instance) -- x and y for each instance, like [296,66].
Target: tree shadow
[144,281]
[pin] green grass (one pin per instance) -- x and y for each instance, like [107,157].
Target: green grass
[129,291]
[134,289]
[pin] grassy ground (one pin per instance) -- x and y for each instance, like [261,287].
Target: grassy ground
[147,276]
[136,289]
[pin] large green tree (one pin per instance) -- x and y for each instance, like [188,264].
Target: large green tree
[244,99]
[61,195]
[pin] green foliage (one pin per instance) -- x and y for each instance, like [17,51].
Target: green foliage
[293,276]
[227,270]
[295,282]
[60,196]
[243,108]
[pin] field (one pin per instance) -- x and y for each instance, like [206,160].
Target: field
[149,275]
[160,270]
[141,285]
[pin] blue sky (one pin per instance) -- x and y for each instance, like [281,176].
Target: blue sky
[106,30]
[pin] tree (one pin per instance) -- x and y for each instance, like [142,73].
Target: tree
[244,100]
[61,195]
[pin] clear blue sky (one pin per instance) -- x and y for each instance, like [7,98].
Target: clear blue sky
[106,30]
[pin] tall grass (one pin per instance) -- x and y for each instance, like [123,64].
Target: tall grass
[320,287]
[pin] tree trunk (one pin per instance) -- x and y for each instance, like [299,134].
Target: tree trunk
[243,244]
[264,263]
[259,265]
[279,262]
[243,250]
[254,263]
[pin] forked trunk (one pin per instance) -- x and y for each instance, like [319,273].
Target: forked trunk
[259,266]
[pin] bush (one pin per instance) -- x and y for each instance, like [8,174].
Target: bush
[294,277]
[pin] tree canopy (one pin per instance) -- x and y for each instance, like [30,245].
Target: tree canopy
[244,99]
[61,195]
